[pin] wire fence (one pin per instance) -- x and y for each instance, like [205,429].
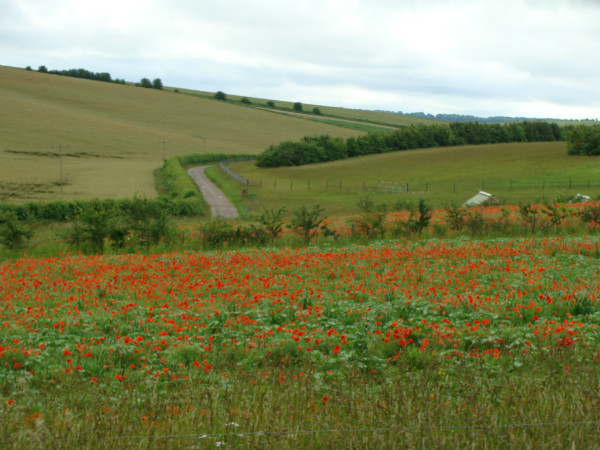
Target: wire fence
[402,187]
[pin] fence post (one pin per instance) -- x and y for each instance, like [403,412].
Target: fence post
[340,185]
[275,185]
[291,181]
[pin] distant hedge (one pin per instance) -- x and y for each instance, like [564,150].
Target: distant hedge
[326,148]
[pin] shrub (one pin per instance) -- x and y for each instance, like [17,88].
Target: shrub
[246,101]
[272,221]
[306,222]
[271,104]
[13,233]
[298,107]
[220,95]
[371,223]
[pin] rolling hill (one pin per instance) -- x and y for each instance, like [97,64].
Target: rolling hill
[107,139]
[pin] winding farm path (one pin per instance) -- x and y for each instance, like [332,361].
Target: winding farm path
[220,206]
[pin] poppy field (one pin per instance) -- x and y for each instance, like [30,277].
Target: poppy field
[396,344]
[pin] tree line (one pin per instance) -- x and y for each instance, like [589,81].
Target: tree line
[99,76]
[314,149]
[81,73]
[584,140]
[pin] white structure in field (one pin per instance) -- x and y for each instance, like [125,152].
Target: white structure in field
[479,199]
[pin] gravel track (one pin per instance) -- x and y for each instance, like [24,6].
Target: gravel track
[220,206]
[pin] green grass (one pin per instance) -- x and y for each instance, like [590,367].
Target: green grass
[514,173]
[112,135]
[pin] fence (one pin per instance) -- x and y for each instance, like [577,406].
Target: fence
[399,188]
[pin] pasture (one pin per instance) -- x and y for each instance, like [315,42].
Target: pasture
[514,173]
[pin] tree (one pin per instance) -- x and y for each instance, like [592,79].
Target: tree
[43,69]
[298,106]
[246,101]
[146,83]
[157,83]
[271,104]
[272,221]
[306,223]
[317,110]
[220,95]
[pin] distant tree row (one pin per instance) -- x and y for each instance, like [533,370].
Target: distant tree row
[325,148]
[81,73]
[584,140]
[154,84]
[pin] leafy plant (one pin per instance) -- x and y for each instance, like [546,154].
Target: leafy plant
[272,221]
[306,222]
[13,233]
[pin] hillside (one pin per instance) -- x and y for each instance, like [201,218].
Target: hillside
[517,172]
[112,137]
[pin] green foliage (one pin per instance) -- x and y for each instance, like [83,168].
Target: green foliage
[93,226]
[246,101]
[298,107]
[317,110]
[584,140]
[306,223]
[418,220]
[148,222]
[157,83]
[271,104]
[272,221]
[13,233]
[220,95]
[145,83]
[590,215]
[529,214]
[319,149]
[371,223]
[217,233]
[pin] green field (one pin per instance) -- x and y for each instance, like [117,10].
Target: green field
[516,172]
[112,135]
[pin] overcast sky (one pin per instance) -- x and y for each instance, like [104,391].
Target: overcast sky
[482,57]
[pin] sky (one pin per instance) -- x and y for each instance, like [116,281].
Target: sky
[486,58]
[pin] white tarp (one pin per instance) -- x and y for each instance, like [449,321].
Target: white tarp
[479,199]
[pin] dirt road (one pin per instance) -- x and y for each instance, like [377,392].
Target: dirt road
[220,206]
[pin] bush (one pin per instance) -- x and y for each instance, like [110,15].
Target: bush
[220,95]
[13,233]
[306,223]
[271,104]
[298,107]
[272,221]
[246,101]
[372,221]
[317,110]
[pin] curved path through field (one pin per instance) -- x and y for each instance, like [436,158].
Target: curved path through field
[220,206]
